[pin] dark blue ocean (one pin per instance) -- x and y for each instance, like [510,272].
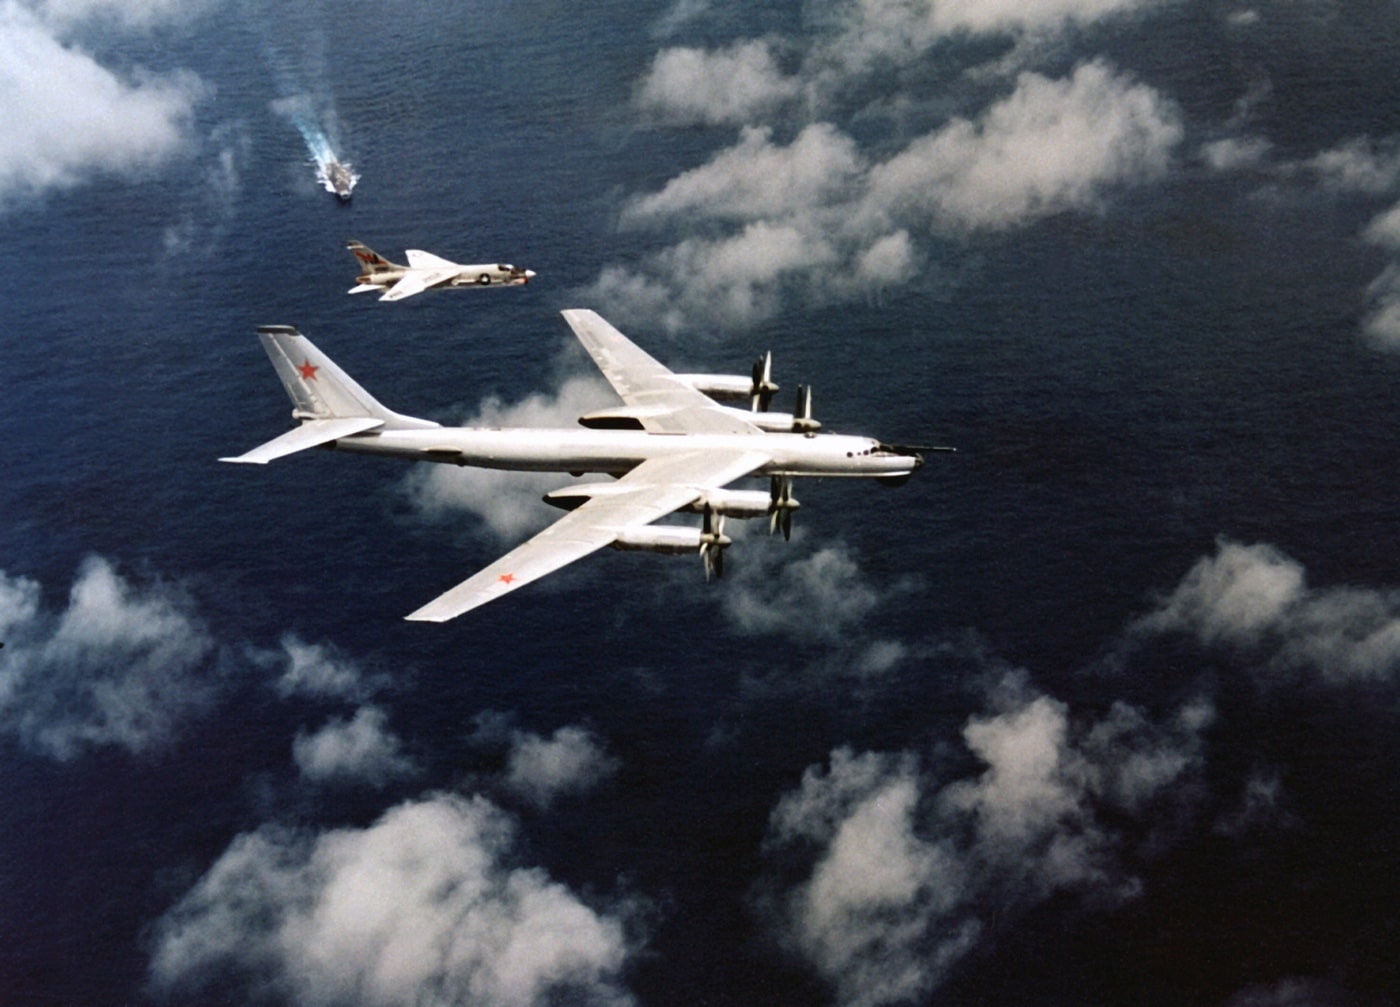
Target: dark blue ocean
[1101,709]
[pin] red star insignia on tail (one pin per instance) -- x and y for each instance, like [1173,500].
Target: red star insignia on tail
[308,370]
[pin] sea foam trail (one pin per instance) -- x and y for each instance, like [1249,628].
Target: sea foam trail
[303,115]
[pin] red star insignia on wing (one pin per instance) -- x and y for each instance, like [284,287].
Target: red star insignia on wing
[308,370]
[506,578]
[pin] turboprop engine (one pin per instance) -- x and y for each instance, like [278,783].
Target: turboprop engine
[709,540]
[758,387]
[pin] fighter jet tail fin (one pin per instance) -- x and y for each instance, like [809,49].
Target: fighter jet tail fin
[329,403]
[371,262]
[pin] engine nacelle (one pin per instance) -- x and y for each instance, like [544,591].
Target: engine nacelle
[614,418]
[719,386]
[675,540]
[734,503]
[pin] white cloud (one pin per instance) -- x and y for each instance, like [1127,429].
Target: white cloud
[362,749]
[68,118]
[757,178]
[1052,145]
[908,874]
[872,34]
[424,906]
[130,14]
[1360,165]
[819,596]
[1294,992]
[1236,153]
[1257,599]
[819,219]
[571,761]
[120,665]
[731,85]
[318,671]
[507,502]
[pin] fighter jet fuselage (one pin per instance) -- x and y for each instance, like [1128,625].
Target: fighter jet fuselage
[425,271]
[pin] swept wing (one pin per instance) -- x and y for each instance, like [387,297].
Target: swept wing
[416,281]
[419,259]
[664,403]
[652,490]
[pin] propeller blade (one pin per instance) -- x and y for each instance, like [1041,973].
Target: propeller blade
[781,505]
[712,543]
[763,388]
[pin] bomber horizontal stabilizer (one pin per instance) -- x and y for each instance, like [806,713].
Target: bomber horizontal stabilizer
[309,435]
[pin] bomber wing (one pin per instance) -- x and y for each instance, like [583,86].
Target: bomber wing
[415,281]
[666,404]
[652,490]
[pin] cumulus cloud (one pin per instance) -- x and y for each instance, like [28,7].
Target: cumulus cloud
[120,665]
[424,906]
[904,874]
[571,761]
[1382,322]
[360,750]
[817,596]
[1255,598]
[318,671]
[1370,167]
[1050,146]
[508,503]
[867,37]
[68,118]
[728,86]
[1236,153]
[129,14]
[757,177]
[819,218]
[1360,165]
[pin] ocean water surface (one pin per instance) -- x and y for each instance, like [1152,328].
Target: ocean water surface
[1099,709]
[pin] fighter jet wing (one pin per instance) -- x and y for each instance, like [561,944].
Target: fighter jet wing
[666,405]
[419,259]
[653,489]
[416,281]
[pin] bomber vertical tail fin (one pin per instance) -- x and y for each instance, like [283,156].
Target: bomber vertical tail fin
[329,403]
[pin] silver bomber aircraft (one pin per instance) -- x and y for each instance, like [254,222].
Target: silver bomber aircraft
[424,272]
[672,446]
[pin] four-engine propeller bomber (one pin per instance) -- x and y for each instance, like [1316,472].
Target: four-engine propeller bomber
[673,447]
[425,271]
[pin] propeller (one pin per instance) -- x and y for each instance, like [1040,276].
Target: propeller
[781,505]
[763,387]
[802,422]
[713,542]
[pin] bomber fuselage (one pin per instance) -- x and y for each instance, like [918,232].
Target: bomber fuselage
[619,451]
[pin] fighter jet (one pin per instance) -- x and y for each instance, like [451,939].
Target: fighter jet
[671,446]
[425,271]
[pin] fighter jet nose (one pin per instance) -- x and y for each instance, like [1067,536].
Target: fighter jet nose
[529,274]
